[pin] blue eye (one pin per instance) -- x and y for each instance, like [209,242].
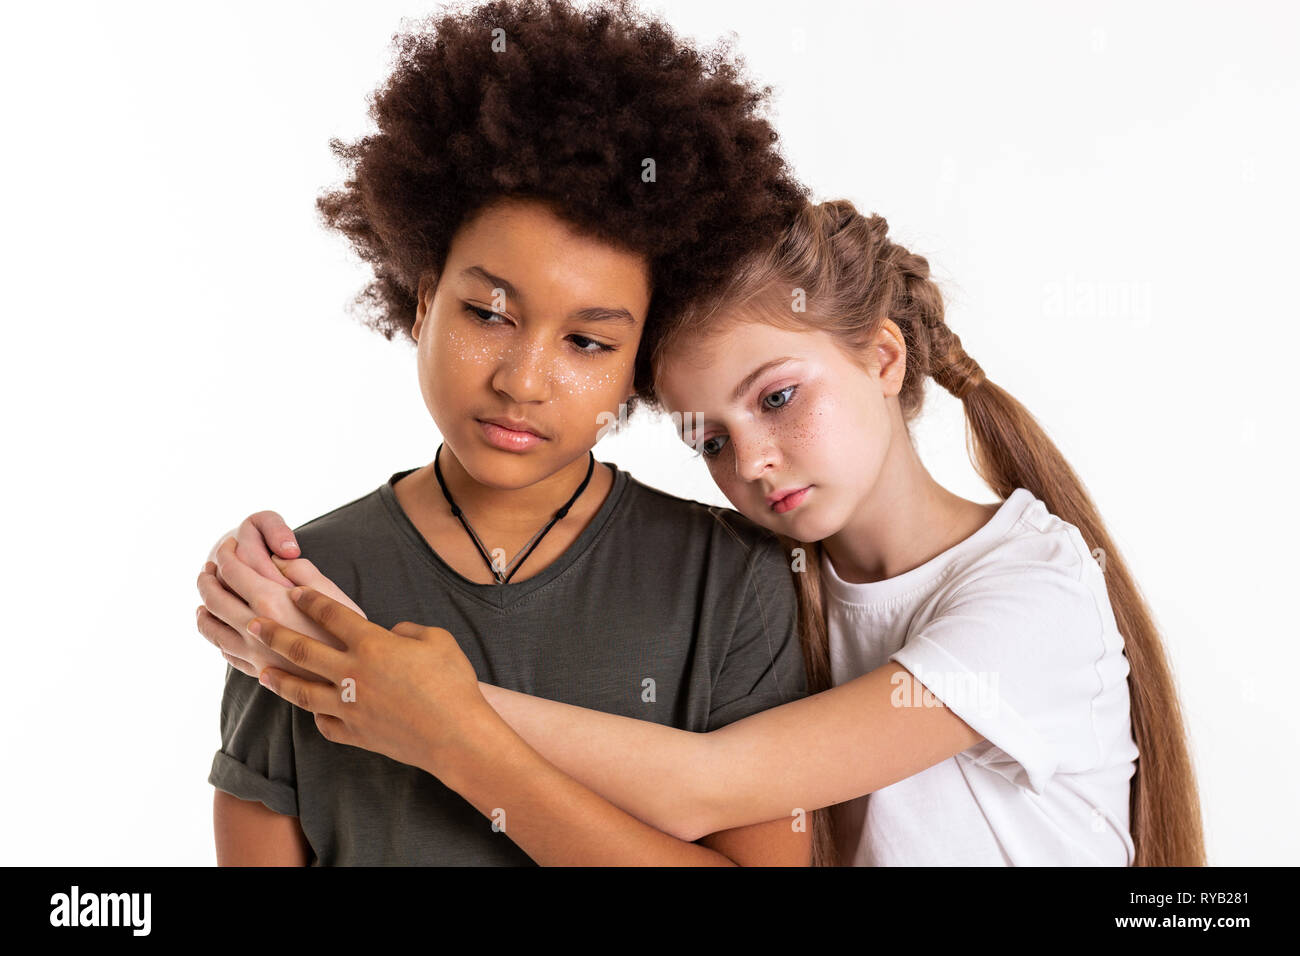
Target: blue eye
[485,315]
[791,389]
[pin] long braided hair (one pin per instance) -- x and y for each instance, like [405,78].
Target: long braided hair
[853,277]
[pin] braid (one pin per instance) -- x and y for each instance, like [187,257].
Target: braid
[950,366]
[918,308]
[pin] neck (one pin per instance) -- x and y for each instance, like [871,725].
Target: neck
[509,510]
[904,520]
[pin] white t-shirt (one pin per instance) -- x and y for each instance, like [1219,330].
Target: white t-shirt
[1013,630]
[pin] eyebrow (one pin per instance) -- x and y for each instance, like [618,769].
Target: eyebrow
[744,385]
[589,314]
[748,380]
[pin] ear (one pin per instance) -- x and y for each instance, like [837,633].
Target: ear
[424,297]
[891,354]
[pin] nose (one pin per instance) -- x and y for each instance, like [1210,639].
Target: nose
[524,373]
[755,454]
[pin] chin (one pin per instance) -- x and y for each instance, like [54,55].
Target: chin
[811,525]
[494,467]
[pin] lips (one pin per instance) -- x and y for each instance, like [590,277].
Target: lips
[773,498]
[791,501]
[514,425]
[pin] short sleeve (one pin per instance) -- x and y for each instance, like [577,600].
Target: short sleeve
[763,667]
[255,761]
[1027,655]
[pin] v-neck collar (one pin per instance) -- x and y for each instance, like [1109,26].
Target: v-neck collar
[502,595]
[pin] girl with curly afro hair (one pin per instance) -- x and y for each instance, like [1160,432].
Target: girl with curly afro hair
[632,137]
[547,186]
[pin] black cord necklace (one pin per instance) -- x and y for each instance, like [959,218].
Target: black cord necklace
[528,548]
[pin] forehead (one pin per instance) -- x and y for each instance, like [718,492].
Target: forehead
[548,259]
[702,370]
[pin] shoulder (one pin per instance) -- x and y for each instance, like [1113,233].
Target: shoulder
[697,532]
[343,539]
[1034,588]
[1035,552]
[346,520]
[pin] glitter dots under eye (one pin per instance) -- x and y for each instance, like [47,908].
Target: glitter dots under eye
[460,348]
[575,380]
[572,375]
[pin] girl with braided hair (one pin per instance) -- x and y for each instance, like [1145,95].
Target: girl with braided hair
[988,685]
[1021,617]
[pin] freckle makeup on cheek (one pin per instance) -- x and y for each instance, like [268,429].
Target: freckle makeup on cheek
[461,348]
[806,432]
[583,382]
[794,426]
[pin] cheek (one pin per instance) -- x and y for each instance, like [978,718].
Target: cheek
[453,365]
[591,397]
[808,430]
[598,381]
[456,352]
[836,438]
[817,433]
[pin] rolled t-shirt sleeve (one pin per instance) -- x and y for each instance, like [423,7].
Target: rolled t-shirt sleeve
[1022,654]
[256,760]
[763,666]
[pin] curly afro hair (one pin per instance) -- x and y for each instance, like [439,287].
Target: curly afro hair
[539,99]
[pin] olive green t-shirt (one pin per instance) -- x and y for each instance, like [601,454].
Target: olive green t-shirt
[663,609]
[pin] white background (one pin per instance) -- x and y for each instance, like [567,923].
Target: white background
[1106,191]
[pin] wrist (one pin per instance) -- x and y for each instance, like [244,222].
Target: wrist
[477,738]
